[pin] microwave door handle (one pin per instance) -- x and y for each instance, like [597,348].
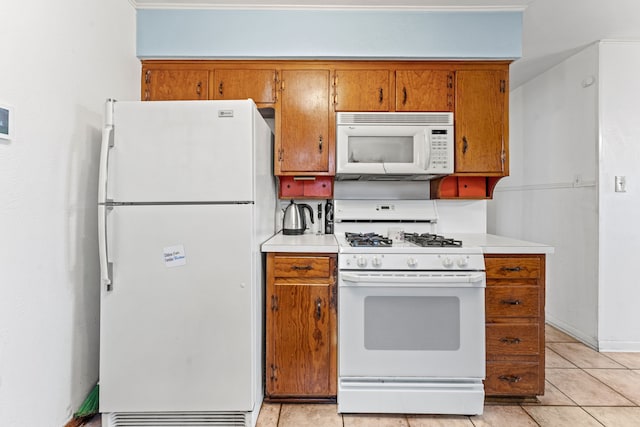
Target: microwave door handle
[425,153]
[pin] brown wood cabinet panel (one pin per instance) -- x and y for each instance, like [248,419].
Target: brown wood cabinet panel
[515,324]
[513,379]
[513,267]
[424,90]
[300,357]
[258,85]
[361,90]
[301,328]
[174,84]
[303,138]
[513,339]
[480,124]
[511,301]
[302,266]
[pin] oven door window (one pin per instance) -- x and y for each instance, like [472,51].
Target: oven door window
[412,323]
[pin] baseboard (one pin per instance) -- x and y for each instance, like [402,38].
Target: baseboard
[571,331]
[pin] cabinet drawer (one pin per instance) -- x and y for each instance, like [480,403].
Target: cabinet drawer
[512,378]
[302,266]
[512,267]
[512,301]
[513,339]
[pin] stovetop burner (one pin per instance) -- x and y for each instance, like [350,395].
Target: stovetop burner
[367,239]
[427,239]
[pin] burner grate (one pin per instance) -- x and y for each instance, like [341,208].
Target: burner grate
[367,239]
[427,239]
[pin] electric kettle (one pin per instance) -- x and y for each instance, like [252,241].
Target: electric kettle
[294,221]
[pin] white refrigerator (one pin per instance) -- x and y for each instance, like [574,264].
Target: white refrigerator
[186,197]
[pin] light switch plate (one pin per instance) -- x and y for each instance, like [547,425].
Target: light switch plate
[621,184]
[6,122]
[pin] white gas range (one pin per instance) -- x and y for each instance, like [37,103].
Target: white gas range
[411,312]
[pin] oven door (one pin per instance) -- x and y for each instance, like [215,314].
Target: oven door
[411,325]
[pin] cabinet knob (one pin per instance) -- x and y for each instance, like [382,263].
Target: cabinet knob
[220,88]
[404,96]
[510,340]
[320,143]
[318,308]
[199,88]
[465,144]
[380,95]
[512,269]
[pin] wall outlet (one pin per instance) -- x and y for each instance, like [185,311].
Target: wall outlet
[621,184]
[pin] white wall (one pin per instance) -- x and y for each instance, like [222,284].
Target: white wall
[619,237]
[60,61]
[551,194]
[574,128]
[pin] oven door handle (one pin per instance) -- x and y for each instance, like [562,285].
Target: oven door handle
[472,280]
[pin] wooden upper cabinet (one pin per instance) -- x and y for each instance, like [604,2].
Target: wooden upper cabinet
[303,137]
[259,85]
[174,84]
[481,122]
[424,90]
[361,90]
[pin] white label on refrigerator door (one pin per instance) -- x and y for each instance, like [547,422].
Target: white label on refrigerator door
[174,256]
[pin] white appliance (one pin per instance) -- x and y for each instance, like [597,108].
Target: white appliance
[411,335]
[186,197]
[394,146]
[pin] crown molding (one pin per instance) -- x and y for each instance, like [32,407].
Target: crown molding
[215,5]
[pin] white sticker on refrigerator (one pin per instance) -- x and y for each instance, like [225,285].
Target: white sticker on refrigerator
[174,256]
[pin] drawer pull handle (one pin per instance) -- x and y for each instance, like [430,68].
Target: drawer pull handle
[301,267]
[511,302]
[510,378]
[318,309]
[512,269]
[508,340]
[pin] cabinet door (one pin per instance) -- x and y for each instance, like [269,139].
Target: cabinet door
[303,141]
[174,85]
[424,90]
[300,362]
[361,90]
[258,85]
[480,125]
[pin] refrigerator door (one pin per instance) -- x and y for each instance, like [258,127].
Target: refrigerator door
[178,325]
[181,151]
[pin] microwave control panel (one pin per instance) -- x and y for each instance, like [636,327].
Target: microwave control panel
[440,150]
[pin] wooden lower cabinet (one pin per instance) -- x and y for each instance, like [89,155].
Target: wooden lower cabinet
[515,325]
[301,329]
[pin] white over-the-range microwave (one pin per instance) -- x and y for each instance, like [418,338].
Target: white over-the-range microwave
[394,146]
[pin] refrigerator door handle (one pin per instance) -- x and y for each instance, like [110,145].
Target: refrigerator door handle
[105,265]
[107,133]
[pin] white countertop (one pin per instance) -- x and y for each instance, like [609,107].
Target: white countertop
[308,242]
[326,243]
[493,244]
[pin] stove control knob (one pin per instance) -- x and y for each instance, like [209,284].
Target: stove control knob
[362,262]
[412,262]
[463,262]
[447,262]
[376,262]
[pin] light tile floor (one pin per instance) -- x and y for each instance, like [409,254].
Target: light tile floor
[584,388]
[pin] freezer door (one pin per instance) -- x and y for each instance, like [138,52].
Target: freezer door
[181,151]
[179,323]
